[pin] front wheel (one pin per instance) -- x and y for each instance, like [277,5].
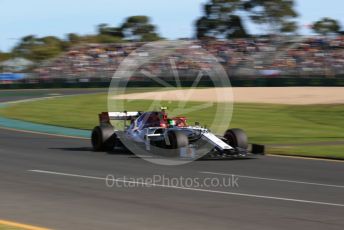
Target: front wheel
[236,138]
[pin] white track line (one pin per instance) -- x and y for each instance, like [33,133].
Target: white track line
[45,134]
[188,188]
[274,179]
[35,99]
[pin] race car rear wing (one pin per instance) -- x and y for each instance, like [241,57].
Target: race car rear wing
[106,117]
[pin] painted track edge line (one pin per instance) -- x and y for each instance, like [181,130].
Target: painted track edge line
[188,188]
[305,158]
[273,179]
[42,133]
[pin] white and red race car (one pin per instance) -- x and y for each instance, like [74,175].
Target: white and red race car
[155,132]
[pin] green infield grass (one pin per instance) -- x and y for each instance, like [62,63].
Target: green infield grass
[285,125]
[317,150]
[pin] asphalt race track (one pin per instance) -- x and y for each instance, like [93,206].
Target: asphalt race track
[59,183]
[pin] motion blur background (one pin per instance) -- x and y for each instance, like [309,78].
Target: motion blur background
[259,43]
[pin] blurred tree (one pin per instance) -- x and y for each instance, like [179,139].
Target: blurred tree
[326,26]
[276,14]
[4,56]
[221,17]
[104,38]
[22,48]
[288,27]
[38,49]
[73,38]
[220,20]
[44,52]
[105,29]
[138,28]
[50,40]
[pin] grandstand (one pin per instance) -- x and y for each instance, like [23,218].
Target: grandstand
[253,57]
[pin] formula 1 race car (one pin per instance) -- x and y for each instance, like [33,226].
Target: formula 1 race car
[156,130]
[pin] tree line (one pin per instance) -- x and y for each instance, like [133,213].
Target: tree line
[221,19]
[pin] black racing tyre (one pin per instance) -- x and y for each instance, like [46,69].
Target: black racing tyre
[236,138]
[103,138]
[177,139]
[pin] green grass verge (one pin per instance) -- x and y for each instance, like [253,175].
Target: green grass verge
[320,151]
[264,123]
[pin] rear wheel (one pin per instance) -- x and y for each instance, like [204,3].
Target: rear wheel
[103,138]
[236,138]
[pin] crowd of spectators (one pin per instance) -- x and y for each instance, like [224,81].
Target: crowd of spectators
[252,57]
